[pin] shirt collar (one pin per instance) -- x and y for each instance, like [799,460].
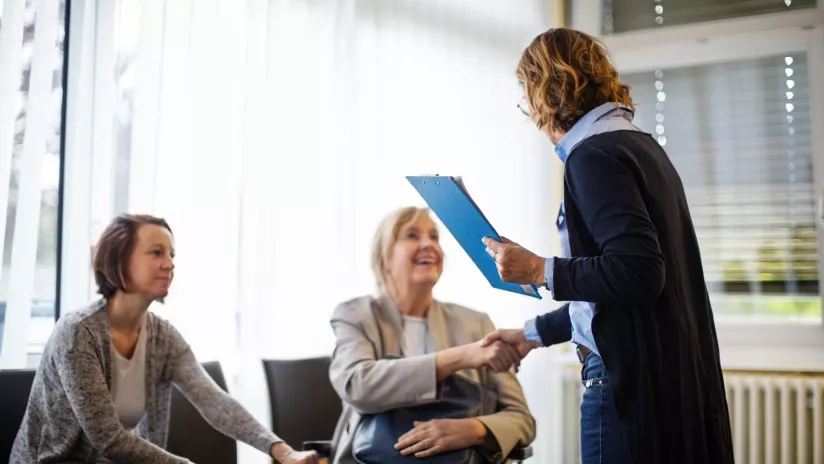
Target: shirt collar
[581,129]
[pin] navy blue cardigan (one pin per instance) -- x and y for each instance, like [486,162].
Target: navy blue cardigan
[637,258]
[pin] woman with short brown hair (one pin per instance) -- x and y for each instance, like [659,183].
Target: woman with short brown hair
[639,314]
[103,388]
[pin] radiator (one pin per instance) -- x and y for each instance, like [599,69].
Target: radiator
[776,418]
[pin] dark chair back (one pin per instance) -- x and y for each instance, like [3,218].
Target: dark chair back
[15,386]
[304,406]
[191,436]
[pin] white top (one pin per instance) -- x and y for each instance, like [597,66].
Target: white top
[416,337]
[129,383]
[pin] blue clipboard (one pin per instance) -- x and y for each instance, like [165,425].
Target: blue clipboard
[448,199]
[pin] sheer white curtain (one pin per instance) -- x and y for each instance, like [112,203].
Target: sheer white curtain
[273,136]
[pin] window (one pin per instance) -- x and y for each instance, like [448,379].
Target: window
[631,15]
[739,134]
[30,142]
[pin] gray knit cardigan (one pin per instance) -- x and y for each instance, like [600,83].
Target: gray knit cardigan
[70,414]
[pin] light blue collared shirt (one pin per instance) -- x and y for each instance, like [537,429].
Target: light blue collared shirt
[608,117]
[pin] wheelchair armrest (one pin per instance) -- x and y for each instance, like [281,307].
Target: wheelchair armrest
[520,454]
[322,447]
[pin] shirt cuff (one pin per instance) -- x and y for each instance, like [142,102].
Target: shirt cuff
[531,332]
[549,271]
[490,448]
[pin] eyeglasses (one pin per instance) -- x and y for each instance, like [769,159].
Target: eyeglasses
[523,106]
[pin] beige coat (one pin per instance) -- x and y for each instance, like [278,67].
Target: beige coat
[368,385]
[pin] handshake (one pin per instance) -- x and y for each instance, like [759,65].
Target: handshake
[500,350]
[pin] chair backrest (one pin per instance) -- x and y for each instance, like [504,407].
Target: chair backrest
[191,436]
[15,386]
[304,406]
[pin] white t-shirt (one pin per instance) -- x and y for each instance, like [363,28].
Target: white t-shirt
[129,386]
[416,337]
[129,383]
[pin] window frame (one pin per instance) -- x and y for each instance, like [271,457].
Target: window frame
[743,345]
[67,21]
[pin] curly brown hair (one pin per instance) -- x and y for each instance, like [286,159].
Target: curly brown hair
[565,74]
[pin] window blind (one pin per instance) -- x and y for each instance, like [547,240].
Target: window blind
[739,136]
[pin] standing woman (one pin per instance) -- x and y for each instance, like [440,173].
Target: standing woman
[639,314]
[104,384]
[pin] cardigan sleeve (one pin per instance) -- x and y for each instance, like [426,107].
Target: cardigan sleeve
[219,409]
[631,266]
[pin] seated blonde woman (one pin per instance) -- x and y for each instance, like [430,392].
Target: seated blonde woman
[429,341]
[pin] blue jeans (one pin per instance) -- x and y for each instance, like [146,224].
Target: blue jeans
[602,441]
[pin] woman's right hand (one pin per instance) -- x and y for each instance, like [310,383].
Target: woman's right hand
[302,457]
[498,356]
[284,454]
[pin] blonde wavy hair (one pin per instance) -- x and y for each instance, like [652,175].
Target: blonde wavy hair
[387,236]
[565,74]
